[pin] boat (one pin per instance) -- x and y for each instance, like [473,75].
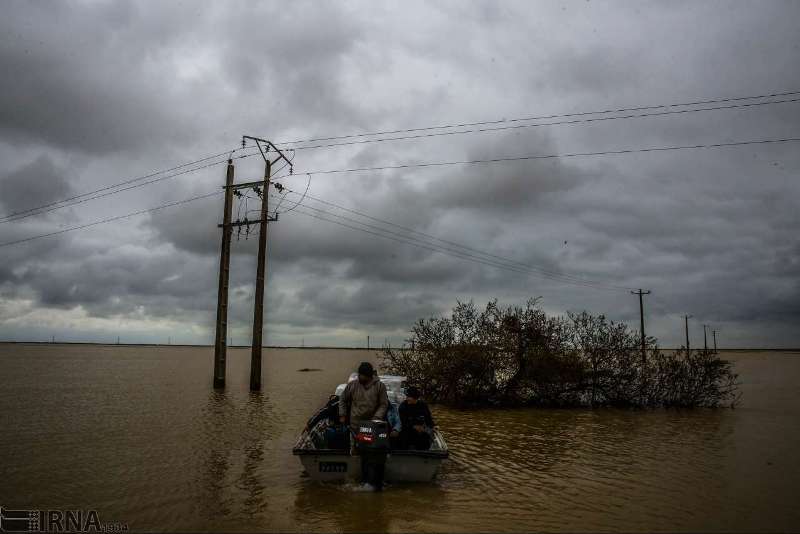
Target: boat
[328,464]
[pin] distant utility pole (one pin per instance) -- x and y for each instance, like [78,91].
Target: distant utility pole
[714,332]
[261,188]
[367,342]
[705,337]
[641,319]
[686,324]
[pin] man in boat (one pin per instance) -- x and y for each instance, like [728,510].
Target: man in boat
[416,420]
[395,425]
[364,399]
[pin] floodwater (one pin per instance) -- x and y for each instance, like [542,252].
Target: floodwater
[137,434]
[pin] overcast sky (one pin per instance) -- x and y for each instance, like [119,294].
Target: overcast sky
[95,93]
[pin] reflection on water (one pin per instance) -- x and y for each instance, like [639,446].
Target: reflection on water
[578,469]
[138,434]
[345,507]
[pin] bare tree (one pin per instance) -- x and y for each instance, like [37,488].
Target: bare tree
[520,356]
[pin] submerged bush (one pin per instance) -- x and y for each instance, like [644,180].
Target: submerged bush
[520,356]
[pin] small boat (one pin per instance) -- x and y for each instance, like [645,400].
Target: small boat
[324,463]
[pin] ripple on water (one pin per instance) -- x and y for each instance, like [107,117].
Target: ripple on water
[139,434]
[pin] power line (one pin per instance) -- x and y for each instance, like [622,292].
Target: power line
[394,236]
[370,229]
[57,204]
[302,198]
[79,200]
[3,218]
[42,208]
[490,256]
[110,219]
[109,193]
[543,117]
[554,156]
[450,253]
[554,123]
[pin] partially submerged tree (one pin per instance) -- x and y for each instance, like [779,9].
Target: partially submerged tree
[520,356]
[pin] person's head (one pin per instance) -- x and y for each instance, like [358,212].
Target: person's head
[365,372]
[412,395]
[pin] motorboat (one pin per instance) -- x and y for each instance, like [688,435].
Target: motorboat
[323,462]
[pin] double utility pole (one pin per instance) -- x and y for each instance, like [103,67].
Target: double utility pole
[641,318]
[261,188]
[714,332]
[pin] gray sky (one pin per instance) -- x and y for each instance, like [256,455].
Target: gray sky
[94,93]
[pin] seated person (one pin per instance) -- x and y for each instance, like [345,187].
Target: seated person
[330,412]
[336,436]
[393,418]
[416,422]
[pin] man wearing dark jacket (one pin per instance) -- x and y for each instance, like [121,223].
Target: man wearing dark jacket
[416,421]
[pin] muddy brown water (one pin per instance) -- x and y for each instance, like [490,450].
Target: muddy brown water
[137,434]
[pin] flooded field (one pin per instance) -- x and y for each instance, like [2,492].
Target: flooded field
[137,434]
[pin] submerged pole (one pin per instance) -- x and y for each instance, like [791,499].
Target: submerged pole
[220,345]
[258,314]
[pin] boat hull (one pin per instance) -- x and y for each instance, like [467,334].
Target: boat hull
[401,466]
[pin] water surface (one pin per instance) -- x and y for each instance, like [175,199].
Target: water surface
[138,434]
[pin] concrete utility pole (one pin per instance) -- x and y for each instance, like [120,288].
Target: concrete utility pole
[714,332]
[220,345]
[641,318]
[686,324]
[258,314]
[705,337]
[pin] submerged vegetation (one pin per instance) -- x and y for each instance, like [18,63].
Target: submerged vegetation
[514,356]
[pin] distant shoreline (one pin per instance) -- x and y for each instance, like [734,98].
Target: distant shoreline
[92,343]
[762,349]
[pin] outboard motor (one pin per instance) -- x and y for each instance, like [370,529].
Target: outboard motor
[372,444]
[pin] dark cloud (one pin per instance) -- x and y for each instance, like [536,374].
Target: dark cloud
[37,183]
[98,93]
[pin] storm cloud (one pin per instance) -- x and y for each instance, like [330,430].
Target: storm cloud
[95,93]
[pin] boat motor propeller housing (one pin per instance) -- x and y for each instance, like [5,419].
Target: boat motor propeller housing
[372,444]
